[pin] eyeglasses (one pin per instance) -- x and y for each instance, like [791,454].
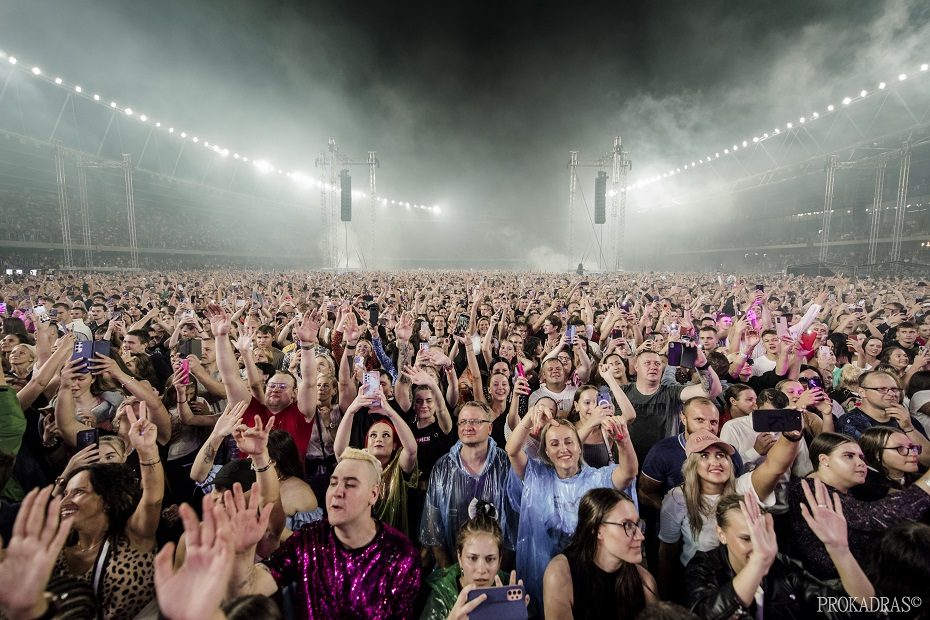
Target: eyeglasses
[630,527]
[278,386]
[905,450]
[464,423]
[883,390]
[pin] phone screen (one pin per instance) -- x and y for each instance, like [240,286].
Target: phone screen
[86,438]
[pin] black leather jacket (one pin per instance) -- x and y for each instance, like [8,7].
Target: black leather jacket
[790,592]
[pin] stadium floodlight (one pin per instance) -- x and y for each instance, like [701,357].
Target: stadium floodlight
[158,124]
[171,130]
[78,89]
[863,92]
[12,60]
[36,71]
[924,67]
[58,81]
[830,108]
[112,104]
[881,86]
[183,134]
[96,97]
[195,139]
[263,166]
[789,125]
[128,111]
[143,118]
[902,77]
[846,100]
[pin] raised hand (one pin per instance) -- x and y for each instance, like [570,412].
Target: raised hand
[142,433]
[247,525]
[244,342]
[309,329]
[230,419]
[196,590]
[761,531]
[823,513]
[219,320]
[254,440]
[404,329]
[418,376]
[26,563]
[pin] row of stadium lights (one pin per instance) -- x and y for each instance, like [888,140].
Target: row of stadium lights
[261,165]
[765,135]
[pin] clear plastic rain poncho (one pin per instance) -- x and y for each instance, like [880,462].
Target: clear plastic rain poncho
[453,494]
[548,507]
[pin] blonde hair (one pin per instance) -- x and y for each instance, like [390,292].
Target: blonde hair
[697,505]
[849,377]
[544,434]
[354,454]
[116,442]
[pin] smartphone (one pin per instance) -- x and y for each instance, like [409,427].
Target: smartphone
[753,319]
[186,371]
[615,333]
[681,356]
[760,287]
[571,331]
[808,339]
[584,283]
[461,324]
[196,347]
[82,350]
[2,308]
[502,603]
[367,298]
[521,371]
[373,315]
[359,361]
[102,347]
[240,303]
[372,382]
[781,326]
[813,383]
[776,420]
[603,396]
[424,346]
[88,437]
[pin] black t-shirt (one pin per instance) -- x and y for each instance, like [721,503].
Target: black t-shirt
[656,416]
[432,444]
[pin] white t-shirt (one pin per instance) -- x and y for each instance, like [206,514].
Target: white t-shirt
[563,399]
[918,400]
[674,525]
[739,434]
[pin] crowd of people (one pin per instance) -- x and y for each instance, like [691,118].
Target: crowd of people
[241,444]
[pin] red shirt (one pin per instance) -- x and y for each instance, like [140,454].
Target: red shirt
[289,419]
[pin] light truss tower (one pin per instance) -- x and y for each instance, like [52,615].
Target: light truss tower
[620,165]
[827,208]
[126,165]
[876,219]
[85,216]
[63,206]
[331,162]
[900,205]
[616,163]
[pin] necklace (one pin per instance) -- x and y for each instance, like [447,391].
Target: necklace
[80,549]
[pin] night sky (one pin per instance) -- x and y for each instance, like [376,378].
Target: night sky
[471,105]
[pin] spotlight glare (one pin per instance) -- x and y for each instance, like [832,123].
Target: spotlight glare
[183,134]
[235,155]
[802,120]
[96,97]
[924,67]
[726,151]
[58,81]
[36,71]
[755,139]
[12,60]
[263,166]
[143,118]
[128,111]
[902,77]
[171,130]
[830,108]
[158,124]
[195,139]
[735,147]
[863,92]
[815,115]
[112,103]
[245,159]
[745,144]
[789,125]
[881,86]
[846,100]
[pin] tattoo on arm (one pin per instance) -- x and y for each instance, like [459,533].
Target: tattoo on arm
[705,380]
[404,354]
[209,454]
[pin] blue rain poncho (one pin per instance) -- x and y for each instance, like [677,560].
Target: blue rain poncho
[548,507]
[452,489]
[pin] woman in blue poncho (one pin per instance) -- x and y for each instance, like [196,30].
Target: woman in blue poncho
[546,490]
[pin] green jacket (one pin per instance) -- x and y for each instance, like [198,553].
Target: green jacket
[444,586]
[12,427]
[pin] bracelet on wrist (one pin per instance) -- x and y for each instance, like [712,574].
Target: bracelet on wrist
[151,463]
[350,347]
[790,438]
[702,368]
[304,347]
[259,470]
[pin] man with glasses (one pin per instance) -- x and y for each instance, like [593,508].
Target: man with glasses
[474,471]
[291,403]
[881,405]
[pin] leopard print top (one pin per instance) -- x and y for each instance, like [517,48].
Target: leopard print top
[128,583]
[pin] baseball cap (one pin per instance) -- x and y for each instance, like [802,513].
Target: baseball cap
[701,440]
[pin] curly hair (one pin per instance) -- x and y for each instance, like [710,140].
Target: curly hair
[119,489]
